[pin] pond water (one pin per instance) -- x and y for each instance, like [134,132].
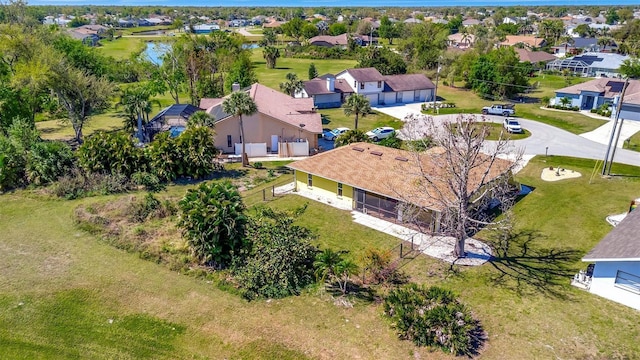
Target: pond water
[154,50]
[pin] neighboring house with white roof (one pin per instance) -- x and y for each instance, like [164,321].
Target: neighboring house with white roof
[330,91]
[591,64]
[616,274]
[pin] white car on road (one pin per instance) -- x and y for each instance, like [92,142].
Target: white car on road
[512,125]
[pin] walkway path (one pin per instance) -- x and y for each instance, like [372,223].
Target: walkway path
[544,139]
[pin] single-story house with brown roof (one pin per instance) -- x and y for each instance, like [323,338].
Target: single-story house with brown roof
[342,40]
[534,57]
[283,125]
[382,181]
[330,91]
[616,273]
[593,94]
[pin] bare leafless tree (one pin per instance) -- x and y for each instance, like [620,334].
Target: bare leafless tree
[460,176]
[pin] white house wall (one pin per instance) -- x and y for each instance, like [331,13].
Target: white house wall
[369,87]
[603,282]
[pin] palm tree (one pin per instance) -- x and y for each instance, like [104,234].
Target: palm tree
[201,118]
[356,104]
[292,85]
[350,137]
[271,54]
[630,68]
[565,101]
[605,41]
[325,264]
[137,104]
[237,104]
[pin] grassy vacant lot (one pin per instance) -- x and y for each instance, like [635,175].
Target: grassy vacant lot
[65,294]
[273,77]
[123,47]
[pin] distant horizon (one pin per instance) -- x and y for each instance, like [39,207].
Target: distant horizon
[336,3]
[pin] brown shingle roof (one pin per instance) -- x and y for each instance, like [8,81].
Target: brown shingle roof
[365,74]
[279,106]
[386,171]
[318,86]
[408,82]
[531,41]
[622,243]
[333,40]
[534,56]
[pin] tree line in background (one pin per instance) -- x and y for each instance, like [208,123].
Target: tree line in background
[45,74]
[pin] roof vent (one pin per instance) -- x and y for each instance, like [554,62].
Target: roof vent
[357,149]
[400,158]
[376,153]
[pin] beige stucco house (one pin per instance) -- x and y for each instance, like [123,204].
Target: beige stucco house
[283,125]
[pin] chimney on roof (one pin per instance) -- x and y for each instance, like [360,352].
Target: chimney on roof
[235,87]
[331,83]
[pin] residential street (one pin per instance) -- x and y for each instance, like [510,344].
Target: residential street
[543,137]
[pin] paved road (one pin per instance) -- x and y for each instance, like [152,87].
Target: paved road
[543,138]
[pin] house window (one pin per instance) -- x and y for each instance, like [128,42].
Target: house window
[355,84]
[340,189]
[379,84]
[229,141]
[628,282]
[309,180]
[361,86]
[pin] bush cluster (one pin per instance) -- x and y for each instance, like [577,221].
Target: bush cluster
[78,184]
[192,154]
[431,317]
[561,107]
[27,160]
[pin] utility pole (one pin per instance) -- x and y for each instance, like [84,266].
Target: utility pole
[615,133]
[435,92]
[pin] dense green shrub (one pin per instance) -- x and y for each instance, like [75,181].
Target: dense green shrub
[111,152]
[392,141]
[12,164]
[150,181]
[213,221]
[281,259]
[196,152]
[47,161]
[164,157]
[432,317]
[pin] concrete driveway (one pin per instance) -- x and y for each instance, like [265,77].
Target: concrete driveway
[544,138]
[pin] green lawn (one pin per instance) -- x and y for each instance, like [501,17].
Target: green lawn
[333,118]
[66,294]
[122,48]
[633,142]
[273,77]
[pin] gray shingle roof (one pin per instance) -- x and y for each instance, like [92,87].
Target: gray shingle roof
[622,243]
[366,74]
[407,82]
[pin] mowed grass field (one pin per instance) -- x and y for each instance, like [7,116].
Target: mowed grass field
[65,294]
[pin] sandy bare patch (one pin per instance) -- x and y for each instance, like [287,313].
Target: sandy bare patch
[557,174]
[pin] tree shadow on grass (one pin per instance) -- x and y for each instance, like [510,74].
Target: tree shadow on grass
[526,268]
[355,292]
